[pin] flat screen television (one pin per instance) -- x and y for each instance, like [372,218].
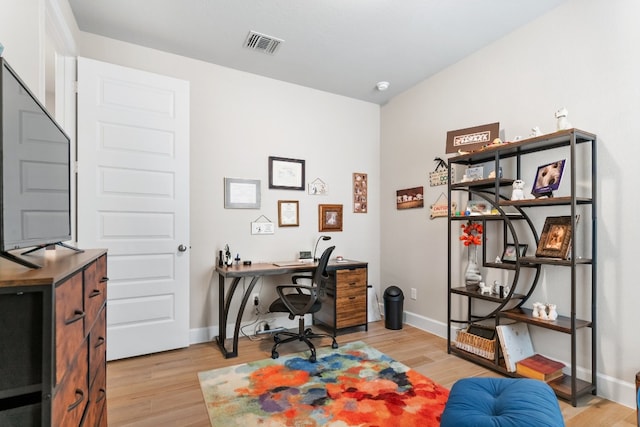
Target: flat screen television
[35,172]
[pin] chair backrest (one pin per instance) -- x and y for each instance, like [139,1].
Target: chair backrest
[321,269]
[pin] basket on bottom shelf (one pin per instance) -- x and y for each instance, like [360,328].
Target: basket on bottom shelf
[477,339]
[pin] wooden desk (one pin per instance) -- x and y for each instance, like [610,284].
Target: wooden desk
[255,272]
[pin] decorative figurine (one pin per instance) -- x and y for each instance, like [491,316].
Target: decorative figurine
[563,122]
[228,261]
[518,190]
[535,131]
[484,289]
[553,313]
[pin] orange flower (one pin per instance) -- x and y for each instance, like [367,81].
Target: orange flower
[471,233]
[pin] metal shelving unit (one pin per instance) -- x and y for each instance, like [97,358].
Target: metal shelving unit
[510,308]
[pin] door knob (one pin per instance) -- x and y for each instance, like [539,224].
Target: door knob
[182,248]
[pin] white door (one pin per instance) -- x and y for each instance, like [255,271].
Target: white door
[133,199]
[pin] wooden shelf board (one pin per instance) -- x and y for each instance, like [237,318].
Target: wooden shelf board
[551,201]
[561,324]
[562,387]
[476,294]
[535,260]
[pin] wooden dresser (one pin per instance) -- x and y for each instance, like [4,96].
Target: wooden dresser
[344,296]
[53,340]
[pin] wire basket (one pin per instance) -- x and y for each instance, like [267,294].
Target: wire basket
[476,344]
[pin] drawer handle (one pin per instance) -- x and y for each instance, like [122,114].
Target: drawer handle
[353,283]
[352,297]
[75,404]
[94,293]
[77,315]
[103,394]
[99,342]
[104,279]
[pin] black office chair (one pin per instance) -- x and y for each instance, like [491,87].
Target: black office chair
[303,301]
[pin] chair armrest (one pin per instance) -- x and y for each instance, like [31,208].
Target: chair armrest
[313,296]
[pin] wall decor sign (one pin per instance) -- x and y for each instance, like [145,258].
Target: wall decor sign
[360,193]
[286,174]
[440,208]
[241,193]
[440,175]
[472,139]
[262,225]
[410,198]
[329,217]
[318,187]
[288,213]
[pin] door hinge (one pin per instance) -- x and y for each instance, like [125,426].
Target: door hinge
[75,86]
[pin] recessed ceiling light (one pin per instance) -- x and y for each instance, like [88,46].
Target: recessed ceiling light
[382,86]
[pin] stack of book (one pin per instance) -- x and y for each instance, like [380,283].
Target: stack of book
[539,368]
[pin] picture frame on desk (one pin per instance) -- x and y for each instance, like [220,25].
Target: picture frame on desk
[329,217]
[288,213]
[286,174]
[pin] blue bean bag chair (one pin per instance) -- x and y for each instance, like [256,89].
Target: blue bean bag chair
[501,402]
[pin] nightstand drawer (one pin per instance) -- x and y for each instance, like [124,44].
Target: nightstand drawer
[72,395]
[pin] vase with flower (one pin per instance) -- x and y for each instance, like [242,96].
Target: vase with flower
[472,238]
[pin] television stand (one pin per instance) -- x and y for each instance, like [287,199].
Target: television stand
[23,262]
[52,246]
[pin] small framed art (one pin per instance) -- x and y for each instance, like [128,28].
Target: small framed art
[360,193]
[241,193]
[288,213]
[548,179]
[555,238]
[286,174]
[511,252]
[329,217]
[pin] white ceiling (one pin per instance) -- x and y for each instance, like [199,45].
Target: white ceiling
[339,46]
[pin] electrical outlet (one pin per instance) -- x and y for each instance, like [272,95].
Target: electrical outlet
[256,299]
[414,293]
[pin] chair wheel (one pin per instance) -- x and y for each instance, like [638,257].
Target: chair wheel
[312,358]
[334,345]
[274,355]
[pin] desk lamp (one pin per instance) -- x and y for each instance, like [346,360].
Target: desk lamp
[316,248]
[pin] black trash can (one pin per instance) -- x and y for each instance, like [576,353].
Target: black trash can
[393,301]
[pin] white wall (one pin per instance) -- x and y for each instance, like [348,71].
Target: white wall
[238,120]
[581,56]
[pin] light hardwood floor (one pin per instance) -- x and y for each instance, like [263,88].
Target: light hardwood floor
[163,390]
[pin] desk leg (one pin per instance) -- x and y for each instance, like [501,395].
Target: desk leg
[224,306]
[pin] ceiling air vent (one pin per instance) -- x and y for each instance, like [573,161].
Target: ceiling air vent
[262,43]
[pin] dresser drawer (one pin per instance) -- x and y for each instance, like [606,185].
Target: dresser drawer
[351,278]
[72,394]
[69,322]
[351,311]
[95,290]
[96,413]
[97,345]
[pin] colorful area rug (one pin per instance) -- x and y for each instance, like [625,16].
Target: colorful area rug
[355,385]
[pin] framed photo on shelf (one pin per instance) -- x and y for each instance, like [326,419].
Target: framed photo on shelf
[286,174]
[288,213]
[510,252]
[329,217]
[548,179]
[479,207]
[555,238]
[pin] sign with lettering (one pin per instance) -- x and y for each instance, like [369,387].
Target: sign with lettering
[472,139]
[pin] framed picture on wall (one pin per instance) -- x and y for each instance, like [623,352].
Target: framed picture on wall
[329,217]
[360,193]
[288,213]
[286,174]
